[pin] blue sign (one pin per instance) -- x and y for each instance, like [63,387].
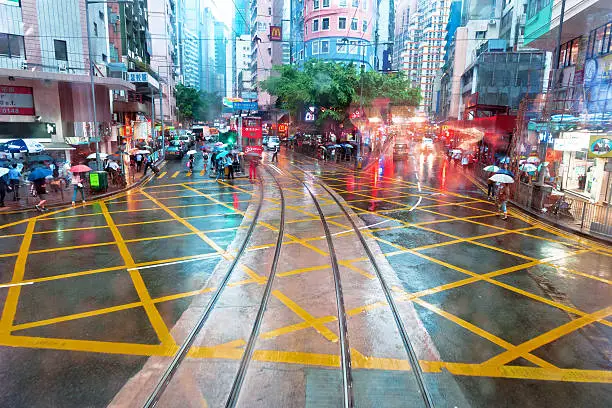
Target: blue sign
[251,106]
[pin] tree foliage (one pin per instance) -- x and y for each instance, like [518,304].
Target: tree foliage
[334,87]
[188,102]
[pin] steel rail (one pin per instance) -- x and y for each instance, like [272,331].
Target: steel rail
[232,399]
[345,356]
[184,349]
[412,356]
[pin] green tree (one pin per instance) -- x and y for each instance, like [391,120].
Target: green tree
[188,102]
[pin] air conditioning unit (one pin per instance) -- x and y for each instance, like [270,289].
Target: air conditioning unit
[24,65]
[492,21]
[62,66]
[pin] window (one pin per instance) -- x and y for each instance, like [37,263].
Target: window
[342,23]
[315,4]
[324,47]
[353,47]
[315,47]
[325,3]
[61,50]
[364,4]
[325,24]
[342,3]
[569,53]
[356,3]
[341,47]
[315,25]
[269,11]
[365,26]
[95,26]
[301,54]
[101,15]
[481,35]
[354,24]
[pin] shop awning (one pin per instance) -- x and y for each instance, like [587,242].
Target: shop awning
[110,83]
[57,146]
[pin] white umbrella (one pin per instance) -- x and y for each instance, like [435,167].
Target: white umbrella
[502,178]
[3,171]
[141,152]
[493,169]
[103,156]
[528,167]
[533,159]
[192,152]
[457,151]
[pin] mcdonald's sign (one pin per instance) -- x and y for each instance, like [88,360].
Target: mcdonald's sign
[276,33]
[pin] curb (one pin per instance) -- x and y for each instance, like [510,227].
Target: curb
[95,198]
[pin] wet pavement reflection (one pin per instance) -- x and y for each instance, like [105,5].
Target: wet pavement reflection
[97,299]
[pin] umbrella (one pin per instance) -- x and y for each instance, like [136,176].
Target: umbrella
[219,144]
[322,147]
[493,169]
[252,154]
[545,164]
[40,173]
[103,156]
[533,159]
[3,171]
[504,160]
[192,152]
[40,158]
[141,152]
[348,146]
[80,168]
[502,178]
[456,151]
[528,167]
[222,154]
[24,146]
[506,172]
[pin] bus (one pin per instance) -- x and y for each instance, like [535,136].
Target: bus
[251,135]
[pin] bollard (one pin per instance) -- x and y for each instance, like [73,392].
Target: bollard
[583,214]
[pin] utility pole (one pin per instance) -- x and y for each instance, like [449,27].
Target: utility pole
[559,33]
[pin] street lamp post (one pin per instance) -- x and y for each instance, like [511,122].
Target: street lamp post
[94,129]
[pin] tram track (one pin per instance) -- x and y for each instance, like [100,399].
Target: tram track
[409,348]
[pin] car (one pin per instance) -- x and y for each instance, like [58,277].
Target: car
[427,144]
[273,142]
[174,152]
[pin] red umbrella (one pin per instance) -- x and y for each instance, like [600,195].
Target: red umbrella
[80,168]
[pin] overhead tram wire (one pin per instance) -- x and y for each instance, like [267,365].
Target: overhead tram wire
[412,356]
[186,346]
[232,400]
[345,354]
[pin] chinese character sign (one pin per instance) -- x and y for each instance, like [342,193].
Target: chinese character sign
[16,100]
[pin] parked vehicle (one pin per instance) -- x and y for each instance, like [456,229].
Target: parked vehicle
[174,152]
[273,142]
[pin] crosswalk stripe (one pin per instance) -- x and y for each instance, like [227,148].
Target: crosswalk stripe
[202,172]
[176,173]
[162,174]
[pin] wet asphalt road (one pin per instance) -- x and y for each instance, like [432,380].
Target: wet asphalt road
[502,313]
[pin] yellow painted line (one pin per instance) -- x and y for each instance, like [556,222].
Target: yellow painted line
[548,337]
[199,233]
[483,333]
[307,317]
[154,317]
[162,174]
[303,270]
[68,248]
[356,269]
[176,173]
[12,297]
[202,172]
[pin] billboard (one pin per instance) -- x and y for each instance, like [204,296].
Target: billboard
[276,33]
[10,2]
[16,100]
[600,146]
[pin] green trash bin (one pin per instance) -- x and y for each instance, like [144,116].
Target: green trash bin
[98,180]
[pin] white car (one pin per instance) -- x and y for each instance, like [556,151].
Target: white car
[273,142]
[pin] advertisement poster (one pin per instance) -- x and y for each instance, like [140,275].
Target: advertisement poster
[600,146]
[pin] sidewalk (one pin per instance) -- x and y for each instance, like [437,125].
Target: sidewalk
[578,226]
[63,197]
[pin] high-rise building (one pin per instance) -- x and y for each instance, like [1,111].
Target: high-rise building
[241,41]
[401,35]
[384,35]
[243,66]
[221,62]
[339,30]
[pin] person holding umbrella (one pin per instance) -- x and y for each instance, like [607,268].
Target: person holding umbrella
[3,185]
[37,177]
[14,175]
[77,181]
[503,194]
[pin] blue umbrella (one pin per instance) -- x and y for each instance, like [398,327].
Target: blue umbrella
[222,154]
[40,173]
[505,171]
[24,146]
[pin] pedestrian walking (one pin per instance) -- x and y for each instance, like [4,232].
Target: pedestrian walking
[13,177]
[138,162]
[220,166]
[230,167]
[490,190]
[77,186]
[205,161]
[253,168]
[4,183]
[191,163]
[502,200]
[40,186]
[275,154]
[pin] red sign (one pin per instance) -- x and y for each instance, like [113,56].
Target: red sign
[16,100]
[253,149]
[276,33]
[282,129]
